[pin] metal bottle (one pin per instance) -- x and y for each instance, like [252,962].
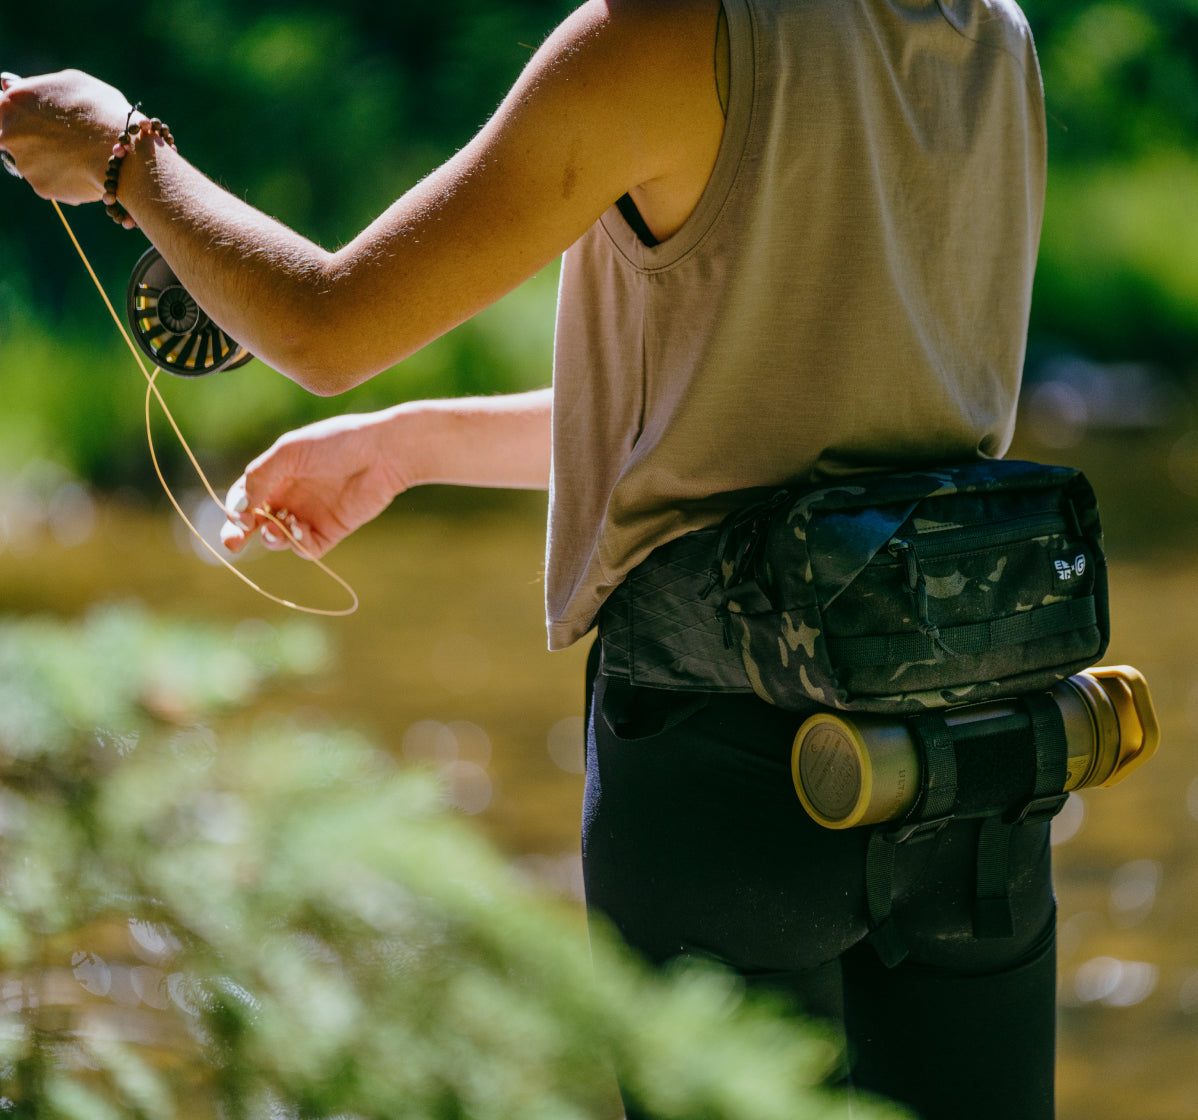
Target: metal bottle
[853,770]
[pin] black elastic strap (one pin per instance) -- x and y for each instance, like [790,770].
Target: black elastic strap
[992,902]
[628,209]
[992,899]
[1051,743]
[939,793]
[932,811]
[883,934]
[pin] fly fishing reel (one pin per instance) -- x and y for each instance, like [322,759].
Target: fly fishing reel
[170,326]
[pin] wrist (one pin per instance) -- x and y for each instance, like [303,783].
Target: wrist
[140,136]
[499,441]
[410,440]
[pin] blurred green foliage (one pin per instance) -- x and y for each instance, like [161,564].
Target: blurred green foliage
[323,114]
[195,923]
[1121,78]
[1118,275]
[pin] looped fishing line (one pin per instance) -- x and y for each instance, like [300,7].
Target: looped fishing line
[152,392]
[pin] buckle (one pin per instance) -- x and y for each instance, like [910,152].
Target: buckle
[917,830]
[1038,810]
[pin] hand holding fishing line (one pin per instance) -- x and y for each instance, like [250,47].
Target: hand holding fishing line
[292,535]
[279,528]
[324,480]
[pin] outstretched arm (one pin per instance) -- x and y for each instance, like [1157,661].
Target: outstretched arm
[619,99]
[327,479]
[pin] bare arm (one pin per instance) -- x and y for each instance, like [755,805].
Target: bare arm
[335,475]
[619,99]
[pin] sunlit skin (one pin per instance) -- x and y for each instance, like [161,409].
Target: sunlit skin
[620,99]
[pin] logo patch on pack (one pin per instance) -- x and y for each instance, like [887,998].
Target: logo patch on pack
[1070,568]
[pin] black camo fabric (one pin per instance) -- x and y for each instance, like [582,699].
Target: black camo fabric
[890,593]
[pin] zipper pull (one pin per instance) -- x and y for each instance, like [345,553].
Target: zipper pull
[905,551]
[917,583]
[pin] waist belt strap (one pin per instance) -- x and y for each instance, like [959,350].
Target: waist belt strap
[661,628]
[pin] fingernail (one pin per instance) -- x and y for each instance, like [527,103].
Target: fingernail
[268,535]
[9,77]
[237,510]
[297,532]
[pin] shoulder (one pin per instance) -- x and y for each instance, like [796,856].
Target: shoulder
[645,41]
[626,92]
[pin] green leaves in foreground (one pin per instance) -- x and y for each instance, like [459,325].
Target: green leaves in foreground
[290,926]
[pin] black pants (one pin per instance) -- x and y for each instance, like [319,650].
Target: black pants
[694,842]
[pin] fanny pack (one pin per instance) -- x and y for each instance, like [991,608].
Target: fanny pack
[890,593]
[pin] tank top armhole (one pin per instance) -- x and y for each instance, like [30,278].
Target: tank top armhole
[624,225]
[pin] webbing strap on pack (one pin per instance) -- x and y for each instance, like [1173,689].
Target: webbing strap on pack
[930,814]
[992,900]
[974,638]
[883,935]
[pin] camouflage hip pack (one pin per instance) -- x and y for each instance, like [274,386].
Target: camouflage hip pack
[888,593]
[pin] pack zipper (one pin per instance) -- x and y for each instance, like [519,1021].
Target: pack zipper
[938,542]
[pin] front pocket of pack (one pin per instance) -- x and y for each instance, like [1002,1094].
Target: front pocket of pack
[940,609]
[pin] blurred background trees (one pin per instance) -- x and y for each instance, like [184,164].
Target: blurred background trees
[1118,275]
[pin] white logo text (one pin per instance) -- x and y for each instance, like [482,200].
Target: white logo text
[1068,571]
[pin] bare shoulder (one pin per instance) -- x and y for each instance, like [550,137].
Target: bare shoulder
[645,72]
[673,18]
[662,49]
[656,43]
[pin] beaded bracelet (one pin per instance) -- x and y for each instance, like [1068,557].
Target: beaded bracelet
[123,146]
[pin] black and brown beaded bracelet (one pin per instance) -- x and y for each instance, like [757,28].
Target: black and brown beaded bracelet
[123,146]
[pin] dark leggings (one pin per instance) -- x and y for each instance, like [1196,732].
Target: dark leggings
[694,843]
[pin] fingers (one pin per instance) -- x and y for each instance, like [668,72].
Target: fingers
[59,130]
[233,537]
[237,508]
[279,528]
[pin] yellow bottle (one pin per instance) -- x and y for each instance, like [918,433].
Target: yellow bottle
[853,770]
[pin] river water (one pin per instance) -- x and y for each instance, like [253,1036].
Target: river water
[446,662]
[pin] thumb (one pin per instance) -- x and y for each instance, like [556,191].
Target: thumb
[236,531]
[233,537]
[237,504]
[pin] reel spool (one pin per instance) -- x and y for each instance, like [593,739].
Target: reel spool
[169,326]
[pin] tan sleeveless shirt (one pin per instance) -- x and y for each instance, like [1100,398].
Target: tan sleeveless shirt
[850,294]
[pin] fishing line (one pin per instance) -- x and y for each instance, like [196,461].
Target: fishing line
[152,392]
